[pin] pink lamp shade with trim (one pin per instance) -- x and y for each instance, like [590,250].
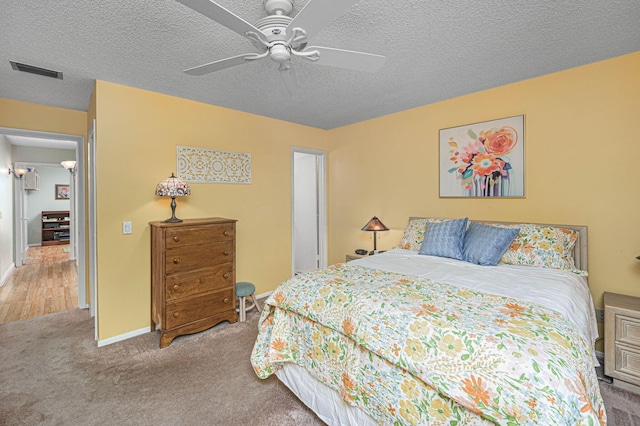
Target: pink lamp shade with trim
[173,187]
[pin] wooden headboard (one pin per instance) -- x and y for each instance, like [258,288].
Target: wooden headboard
[580,255]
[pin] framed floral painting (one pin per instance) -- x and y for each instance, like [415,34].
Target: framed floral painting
[483,160]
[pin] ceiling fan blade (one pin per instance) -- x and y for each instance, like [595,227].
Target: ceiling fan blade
[316,15]
[289,78]
[219,65]
[348,59]
[224,17]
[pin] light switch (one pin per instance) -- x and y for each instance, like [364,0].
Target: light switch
[126,227]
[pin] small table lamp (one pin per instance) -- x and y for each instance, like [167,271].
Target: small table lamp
[172,187]
[374,225]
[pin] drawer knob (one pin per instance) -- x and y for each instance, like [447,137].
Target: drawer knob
[226,300]
[226,233]
[226,276]
[176,314]
[227,253]
[176,238]
[176,260]
[176,287]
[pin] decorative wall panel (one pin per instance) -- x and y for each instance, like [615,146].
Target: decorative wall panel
[211,166]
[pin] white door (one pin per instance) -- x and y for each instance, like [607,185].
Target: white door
[20,221]
[308,210]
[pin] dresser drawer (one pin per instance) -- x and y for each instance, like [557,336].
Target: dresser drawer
[189,236]
[628,363]
[191,283]
[184,311]
[628,330]
[197,257]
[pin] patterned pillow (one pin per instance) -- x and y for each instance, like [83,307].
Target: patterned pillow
[414,233]
[484,245]
[545,246]
[444,239]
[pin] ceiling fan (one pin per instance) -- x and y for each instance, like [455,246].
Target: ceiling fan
[280,37]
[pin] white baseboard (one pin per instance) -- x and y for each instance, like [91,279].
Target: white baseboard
[135,333]
[264,295]
[600,356]
[5,277]
[122,337]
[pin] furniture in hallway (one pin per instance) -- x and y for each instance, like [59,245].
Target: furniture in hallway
[55,227]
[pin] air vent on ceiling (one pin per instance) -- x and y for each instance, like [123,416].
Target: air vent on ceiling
[36,70]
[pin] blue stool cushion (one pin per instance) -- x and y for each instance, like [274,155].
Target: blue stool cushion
[244,289]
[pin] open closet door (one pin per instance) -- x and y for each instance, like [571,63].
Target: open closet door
[308,210]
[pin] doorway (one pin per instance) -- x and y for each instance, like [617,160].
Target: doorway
[308,204]
[77,209]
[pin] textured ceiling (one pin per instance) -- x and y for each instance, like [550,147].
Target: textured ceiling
[435,50]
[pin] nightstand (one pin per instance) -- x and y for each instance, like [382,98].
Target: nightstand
[622,340]
[353,256]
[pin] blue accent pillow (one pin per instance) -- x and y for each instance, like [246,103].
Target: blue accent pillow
[444,239]
[485,244]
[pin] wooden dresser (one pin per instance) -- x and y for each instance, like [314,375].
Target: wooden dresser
[622,340]
[193,275]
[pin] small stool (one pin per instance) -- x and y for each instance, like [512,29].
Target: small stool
[244,289]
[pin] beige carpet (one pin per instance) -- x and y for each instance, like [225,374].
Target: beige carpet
[52,373]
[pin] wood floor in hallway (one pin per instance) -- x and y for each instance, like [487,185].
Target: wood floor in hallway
[46,283]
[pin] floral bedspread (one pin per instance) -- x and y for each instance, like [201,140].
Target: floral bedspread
[408,350]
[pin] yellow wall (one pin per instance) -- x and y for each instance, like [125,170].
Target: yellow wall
[581,160]
[28,116]
[137,135]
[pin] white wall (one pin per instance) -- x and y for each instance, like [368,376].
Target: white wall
[44,199]
[6,209]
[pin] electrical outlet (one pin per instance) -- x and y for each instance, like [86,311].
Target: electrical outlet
[126,227]
[600,315]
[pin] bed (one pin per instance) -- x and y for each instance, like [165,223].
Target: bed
[464,322]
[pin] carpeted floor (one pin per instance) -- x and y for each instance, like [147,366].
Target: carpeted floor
[52,373]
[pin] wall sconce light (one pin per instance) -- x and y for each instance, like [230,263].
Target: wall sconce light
[374,225]
[69,165]
[173,187]
[18,172]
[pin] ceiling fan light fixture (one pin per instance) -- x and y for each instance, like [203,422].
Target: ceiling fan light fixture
[280,53]
[280,37]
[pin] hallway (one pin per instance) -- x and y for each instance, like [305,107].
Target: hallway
[46,283]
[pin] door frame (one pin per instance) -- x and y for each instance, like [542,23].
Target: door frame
[321,165]
[92,224]
[20,242]
[81,205]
